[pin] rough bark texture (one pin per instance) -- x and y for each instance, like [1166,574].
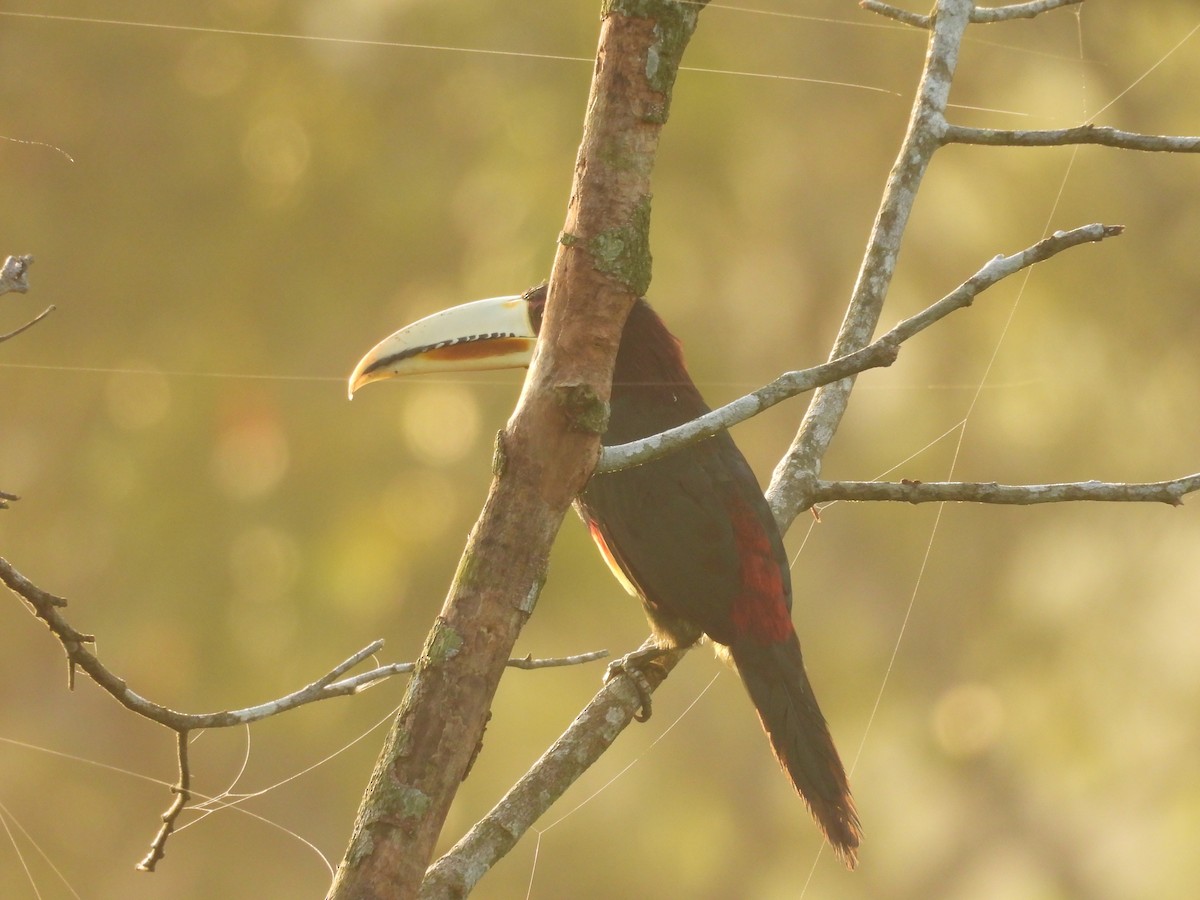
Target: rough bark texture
[543,457]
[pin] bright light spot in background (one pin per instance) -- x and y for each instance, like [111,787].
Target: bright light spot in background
[439,422]
[967,719]
[250,457]
[137,399]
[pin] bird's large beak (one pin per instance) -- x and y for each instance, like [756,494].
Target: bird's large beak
[487,334]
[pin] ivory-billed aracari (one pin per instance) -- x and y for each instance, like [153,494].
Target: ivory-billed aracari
[690,533]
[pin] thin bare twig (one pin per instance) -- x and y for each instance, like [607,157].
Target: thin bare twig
[1170,492]
[528,662]
[1081,134]
[623,456]
[986,15]
[12,334]
[47,607]
[183,793]
[916,20]
[460,869]
[880,352]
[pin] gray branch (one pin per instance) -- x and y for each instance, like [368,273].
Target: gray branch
[881,352]
[47,607]
[985,15]
[980,15]
[916,20]
[1169,492]
[12,334]
[528,662]
[585,741]
[613,707]
[13,274]
[1082,134]
[801,464]
[796,480]
[14,278]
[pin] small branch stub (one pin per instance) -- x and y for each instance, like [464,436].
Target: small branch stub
[13,274]
[14,279]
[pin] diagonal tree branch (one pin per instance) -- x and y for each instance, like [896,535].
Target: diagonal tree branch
[590,735]
[586,739]
[543,458]
[801,465]
[462,867]
[616,703]
[12,334]
[612,709]
[883,351]
[47,607]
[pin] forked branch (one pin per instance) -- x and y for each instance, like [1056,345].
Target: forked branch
[334,683]
[980,15]
[13,278]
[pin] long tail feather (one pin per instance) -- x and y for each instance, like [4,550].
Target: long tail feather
[778,686]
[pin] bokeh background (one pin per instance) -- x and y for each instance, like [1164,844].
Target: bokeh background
[242,215]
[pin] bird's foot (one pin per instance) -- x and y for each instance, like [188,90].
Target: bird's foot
[631,666]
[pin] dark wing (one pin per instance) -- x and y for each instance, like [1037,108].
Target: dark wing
[689,531]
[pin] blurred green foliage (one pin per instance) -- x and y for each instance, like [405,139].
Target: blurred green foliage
[245,214]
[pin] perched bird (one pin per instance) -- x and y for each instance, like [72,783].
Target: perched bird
[690,534]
